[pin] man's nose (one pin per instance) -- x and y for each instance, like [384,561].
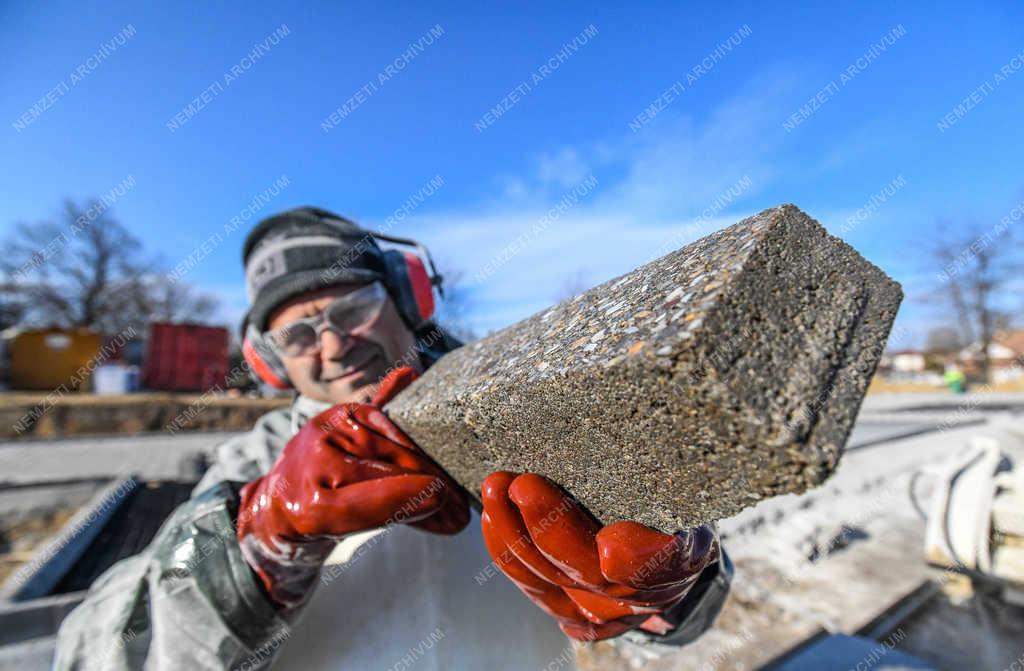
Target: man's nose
[334,345]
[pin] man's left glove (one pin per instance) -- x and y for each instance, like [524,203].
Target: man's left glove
[597,582]
[349,469]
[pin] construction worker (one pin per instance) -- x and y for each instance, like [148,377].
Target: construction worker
[955,379]
[325,539]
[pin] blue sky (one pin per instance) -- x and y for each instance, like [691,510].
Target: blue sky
[483,107]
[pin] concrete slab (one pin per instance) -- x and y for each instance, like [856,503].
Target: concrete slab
[723,373]
[159,456]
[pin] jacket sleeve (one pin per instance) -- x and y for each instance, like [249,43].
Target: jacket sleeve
[692,616]
[189,600]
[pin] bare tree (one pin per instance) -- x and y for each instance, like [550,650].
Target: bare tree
[944,340]
[12,307]
[145,298]
[572,286]
[90,271]
[976,270]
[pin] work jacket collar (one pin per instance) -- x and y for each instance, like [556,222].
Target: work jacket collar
[304,408]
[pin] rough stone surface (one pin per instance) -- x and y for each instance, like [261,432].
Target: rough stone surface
[723,373]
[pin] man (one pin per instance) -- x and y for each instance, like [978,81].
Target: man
[328,511]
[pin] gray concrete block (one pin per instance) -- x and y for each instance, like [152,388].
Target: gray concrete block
[723,373]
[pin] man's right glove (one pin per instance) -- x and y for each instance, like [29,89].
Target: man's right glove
[348,469]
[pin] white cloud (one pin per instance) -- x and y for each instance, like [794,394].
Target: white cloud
[564,169]
[656,190]
[509,281]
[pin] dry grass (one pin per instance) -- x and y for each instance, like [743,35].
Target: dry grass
[30,398]
[882,386]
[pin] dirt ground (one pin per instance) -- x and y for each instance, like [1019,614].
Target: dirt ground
[20,538]
[883,386]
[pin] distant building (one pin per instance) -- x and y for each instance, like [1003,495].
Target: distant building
[907,361]
[907,365]
[1005,353]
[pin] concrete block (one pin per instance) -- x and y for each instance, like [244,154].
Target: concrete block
[723,373]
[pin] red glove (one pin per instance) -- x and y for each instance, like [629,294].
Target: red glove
[596,582]
[348,469]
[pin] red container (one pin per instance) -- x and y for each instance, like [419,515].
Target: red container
[185,357]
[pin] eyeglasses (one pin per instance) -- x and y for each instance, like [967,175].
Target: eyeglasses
[344,316]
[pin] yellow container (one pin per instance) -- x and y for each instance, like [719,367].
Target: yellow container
[46,359]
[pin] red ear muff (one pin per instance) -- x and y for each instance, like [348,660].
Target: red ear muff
[264,370]
[422,287]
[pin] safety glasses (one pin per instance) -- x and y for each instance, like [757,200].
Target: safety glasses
[344,316]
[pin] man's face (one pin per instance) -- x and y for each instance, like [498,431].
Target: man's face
[349,367]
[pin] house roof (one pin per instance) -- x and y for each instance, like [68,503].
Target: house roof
[1011,339]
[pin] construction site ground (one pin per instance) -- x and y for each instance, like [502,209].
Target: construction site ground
[31,415]
[846,558]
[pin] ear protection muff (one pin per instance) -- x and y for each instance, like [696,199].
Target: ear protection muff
[410,286]
[263,360]
[409,282]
